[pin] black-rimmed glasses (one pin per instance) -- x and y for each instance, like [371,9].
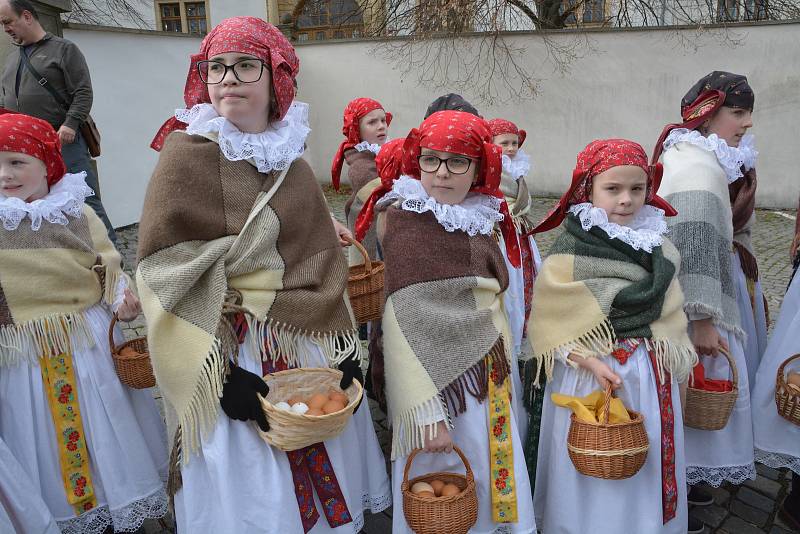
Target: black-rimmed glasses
[245,70]
[454,165]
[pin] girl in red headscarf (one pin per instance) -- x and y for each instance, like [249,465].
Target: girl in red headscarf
[242,276]
[447,347]
[365,126]
[709,176]
[91,447]
[608,315]
[516,165]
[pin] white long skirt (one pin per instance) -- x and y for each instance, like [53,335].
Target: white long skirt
[715,456]
[21,506]
[514,305]
[777,440]
[754,320]
[238,483]
[124,434]
[568,502]
[471,434]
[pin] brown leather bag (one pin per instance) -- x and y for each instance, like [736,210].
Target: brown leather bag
[92,136]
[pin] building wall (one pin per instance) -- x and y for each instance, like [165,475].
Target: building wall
[629,86]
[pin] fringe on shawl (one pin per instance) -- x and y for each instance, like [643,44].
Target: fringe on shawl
[678,360]
[450,401]
[716,317]
[598,341]
[52,334]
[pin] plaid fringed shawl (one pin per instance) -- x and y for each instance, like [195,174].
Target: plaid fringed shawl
[287,267]
[593,290]
[48,277]
[696,185]
[443,321]
[363,176]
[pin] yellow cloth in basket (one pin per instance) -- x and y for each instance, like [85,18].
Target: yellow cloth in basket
[589,409]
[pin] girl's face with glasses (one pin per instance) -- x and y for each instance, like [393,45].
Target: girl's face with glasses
[450,182]
[246,105]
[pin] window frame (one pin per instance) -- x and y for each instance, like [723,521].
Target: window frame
[184,17]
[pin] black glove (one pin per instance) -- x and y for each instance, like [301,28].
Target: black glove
[351,368]
[240,397]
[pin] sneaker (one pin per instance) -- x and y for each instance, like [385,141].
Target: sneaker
[699,497]
[695,526]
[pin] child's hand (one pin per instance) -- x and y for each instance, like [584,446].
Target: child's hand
[706,339]
[130,307]
[342,232]
[600,369]
[442,442]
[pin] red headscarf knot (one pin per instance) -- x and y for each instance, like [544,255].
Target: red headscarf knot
[502,126]
[251,36]
[388,162]
[600,156]
[355,111]
[34,137]
[462,133]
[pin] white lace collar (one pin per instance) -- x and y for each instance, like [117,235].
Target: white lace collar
[66,197]
[271,150]
[644,232]
[518,166]
[371,147]
[730,158]
[477,214]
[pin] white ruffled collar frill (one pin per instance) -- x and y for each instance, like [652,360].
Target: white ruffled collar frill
[367,146]
[271,150]
[730,158]
[518,166]
[65,198]
[644,232]
[476,214]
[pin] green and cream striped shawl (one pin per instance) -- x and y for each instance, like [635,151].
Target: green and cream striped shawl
[696,185]
[443,321]
[593,290]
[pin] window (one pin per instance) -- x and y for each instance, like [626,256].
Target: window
[593,11]
[329,19]
[727,11]
[756,10]
[171,17]
[184,16]
[569,5]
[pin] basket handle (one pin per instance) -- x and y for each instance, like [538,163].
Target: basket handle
[734,371]
[607,403]
[779,376]
[468,467]
[113,322]
[363,251]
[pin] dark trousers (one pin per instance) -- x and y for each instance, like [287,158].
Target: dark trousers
[76,158]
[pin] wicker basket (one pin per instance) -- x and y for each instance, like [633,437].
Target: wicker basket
[611,451]
[441,515]
[133,369]
[787,399]
[289,431]
[365,287]
[710,410]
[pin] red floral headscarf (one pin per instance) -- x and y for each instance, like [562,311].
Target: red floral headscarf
[248,35]
[353,113]
[34,137]
[597,157]
[462,133]
[502,126]
[388,162]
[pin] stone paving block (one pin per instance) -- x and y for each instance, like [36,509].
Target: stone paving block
[749,513]
[735,525]
[765,486]
[778,530]
[712,516]
[722,495]
[768,472]
[377,524]
[751,498]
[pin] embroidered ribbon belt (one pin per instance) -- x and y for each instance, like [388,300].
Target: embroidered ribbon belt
[312,469]
[501,449]
[623,349]
[58,378]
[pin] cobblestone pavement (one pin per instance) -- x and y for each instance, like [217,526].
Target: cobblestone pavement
[747,509]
